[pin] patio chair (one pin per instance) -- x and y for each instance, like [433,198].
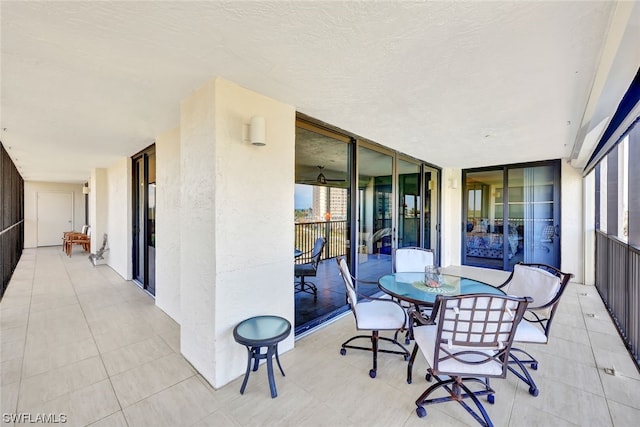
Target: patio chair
[412,259]
[545,284]
[83,239]
[307,266]
[375,315]
[468,344]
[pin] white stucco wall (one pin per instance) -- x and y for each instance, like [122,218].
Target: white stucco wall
[98,205]
[589,214]
[451,218]
[118,220]
[168,223]
[31,189]
[236,216]
[572,225]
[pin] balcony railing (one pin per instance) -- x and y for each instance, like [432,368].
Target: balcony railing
[334,231]
[617,281]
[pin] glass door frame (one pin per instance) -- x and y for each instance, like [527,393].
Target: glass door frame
[356,199]
[421,193]
[423,168]
[140,201]
[504,169]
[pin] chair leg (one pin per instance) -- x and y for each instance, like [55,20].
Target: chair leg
[523,373]
[374,339]
[307,287]
[374,344]
[410,365]
[458,390]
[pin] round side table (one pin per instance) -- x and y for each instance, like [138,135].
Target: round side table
[257,332]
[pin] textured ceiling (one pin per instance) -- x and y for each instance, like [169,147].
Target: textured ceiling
[459,84]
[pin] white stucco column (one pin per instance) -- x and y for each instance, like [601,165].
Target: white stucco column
[572,220]
[168,189]
[236,223]
[451,219]
[589,228]
[98,206]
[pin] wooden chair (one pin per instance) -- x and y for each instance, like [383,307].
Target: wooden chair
[75,238]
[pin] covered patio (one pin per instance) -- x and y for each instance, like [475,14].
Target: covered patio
[79,340]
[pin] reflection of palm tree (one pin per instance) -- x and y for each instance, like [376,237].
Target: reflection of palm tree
[378,235]
[383,232]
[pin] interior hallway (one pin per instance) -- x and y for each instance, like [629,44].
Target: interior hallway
[81,341]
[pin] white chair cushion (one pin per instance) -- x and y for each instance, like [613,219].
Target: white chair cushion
[412,260]
[379,315]
[533,282]
[528,332]
[425,337]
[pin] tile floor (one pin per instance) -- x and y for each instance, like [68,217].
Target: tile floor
[80,341]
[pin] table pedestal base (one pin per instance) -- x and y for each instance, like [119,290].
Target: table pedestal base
[254,354]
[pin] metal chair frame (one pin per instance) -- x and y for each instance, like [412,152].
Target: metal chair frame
[375,337]
[540,315]
[474,330]
[310,259]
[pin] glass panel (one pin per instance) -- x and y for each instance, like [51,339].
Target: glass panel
[151,223]
[322,209]
[484,223]
[612,192]
[603,195]
[532,233]
[151,212]
[409,204]
[431,211]
[138,265]
[375,214]
[633,188]
[623,190]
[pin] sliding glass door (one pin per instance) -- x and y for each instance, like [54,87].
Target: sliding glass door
[534,211]
[409,203]
[528,196]
[366,201]
[375,226]
[144,219]
[431,211]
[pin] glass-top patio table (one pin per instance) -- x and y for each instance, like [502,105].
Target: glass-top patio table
[411,287]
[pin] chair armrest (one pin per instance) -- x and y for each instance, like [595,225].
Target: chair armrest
[416,315]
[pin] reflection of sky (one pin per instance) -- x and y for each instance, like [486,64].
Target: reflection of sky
[303,196]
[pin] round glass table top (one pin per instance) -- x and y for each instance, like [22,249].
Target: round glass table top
[412,287]
[262,330]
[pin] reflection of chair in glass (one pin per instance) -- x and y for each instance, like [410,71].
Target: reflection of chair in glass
[545,284]
[468,344]
[307,266]
[372,314]
[546,236]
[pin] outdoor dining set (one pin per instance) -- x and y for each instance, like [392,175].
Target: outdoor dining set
[467,331]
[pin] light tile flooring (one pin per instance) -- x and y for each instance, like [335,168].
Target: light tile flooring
[80,341]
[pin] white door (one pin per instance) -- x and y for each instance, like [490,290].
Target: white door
[55,216]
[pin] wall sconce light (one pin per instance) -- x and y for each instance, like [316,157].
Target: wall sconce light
[453,183]
[85,190]
[256,131]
